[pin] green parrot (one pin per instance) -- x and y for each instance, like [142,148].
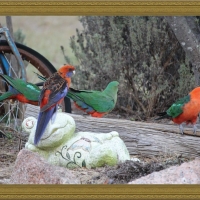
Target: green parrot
[95,103]
[21,90]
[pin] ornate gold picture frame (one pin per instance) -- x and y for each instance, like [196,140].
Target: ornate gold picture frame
[102,7]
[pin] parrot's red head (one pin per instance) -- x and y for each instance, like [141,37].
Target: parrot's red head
[66,71]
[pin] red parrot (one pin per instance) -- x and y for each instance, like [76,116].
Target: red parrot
[185,110]
[54,90]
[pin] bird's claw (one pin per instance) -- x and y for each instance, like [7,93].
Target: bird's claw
[181,129]
[194,129]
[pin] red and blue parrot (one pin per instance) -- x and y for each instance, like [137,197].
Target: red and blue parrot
[54,90]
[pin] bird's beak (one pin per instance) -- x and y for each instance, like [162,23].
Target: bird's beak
[74,72]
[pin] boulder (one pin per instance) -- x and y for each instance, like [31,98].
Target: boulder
[186,173]
[31,168]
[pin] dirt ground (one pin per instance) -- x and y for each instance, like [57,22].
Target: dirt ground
[123,173]
[10,144]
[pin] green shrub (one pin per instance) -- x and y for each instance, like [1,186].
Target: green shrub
[142,53]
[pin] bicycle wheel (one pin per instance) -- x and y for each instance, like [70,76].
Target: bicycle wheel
[34,62]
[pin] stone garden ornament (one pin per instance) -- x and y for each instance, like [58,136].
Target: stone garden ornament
[61,146]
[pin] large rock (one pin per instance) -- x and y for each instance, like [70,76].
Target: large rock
[186,173]
[61,146]
[31,168]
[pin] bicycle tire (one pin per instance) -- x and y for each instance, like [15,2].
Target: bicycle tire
[32,56]
[38,61]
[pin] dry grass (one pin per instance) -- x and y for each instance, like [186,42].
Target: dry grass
[46,34]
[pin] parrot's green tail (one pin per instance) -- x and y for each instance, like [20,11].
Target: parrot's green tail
[6,95]
[40,77]
[162,115]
